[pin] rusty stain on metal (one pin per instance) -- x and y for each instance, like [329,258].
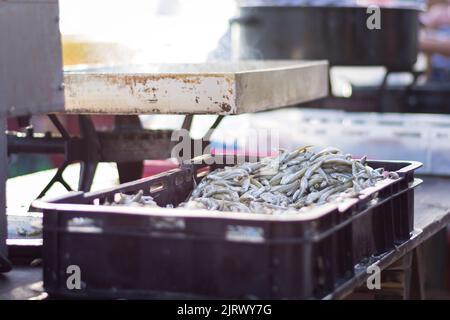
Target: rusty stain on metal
[225,107]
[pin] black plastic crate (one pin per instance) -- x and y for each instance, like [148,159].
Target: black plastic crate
[156,253]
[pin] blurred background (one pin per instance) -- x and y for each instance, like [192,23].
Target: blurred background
[116,33]
[101,32]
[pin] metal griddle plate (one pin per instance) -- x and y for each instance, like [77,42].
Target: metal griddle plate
[212,88]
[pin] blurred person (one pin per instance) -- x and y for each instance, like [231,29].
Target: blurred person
[434,40]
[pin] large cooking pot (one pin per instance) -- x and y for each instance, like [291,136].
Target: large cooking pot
[335,33]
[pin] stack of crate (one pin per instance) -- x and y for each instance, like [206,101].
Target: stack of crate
[393,136]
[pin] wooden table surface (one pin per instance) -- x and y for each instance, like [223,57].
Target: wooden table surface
[432,214]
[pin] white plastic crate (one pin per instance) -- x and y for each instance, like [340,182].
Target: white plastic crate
[390,136]
[439,153]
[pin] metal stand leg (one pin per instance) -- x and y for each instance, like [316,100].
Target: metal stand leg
[205,140]
[382,105]
[129,171]
[92,158]
[56,178]
[87,173]
[213,127]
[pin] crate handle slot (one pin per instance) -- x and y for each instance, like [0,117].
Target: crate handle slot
[406,134]
[356,132]
[83,225]
[441,135]
[157,187]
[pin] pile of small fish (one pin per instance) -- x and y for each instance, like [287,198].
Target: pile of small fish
[134,200]
[292,181]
